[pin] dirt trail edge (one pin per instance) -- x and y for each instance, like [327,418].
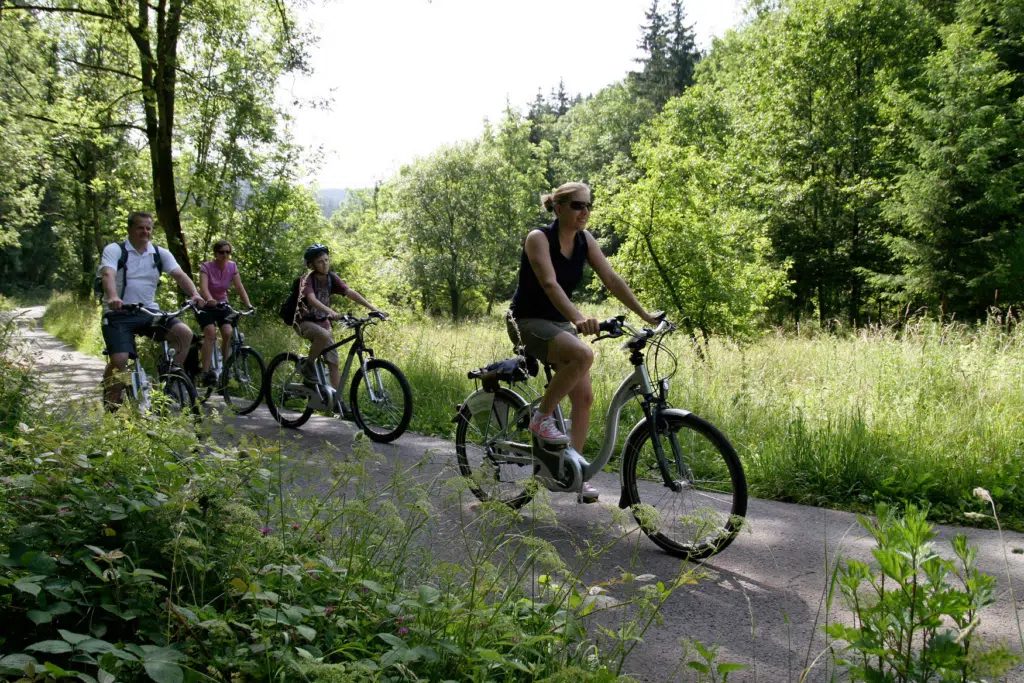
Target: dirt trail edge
[762,600]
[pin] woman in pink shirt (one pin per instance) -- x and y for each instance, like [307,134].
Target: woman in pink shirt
[215,278]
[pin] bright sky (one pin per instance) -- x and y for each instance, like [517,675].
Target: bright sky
[411,75]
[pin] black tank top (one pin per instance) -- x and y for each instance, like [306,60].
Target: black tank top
[530,300]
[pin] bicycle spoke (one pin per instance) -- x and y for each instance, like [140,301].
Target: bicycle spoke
[693,516]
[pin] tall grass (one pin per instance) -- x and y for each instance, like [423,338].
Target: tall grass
[922,414]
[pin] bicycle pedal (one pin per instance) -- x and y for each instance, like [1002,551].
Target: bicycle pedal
[553,448]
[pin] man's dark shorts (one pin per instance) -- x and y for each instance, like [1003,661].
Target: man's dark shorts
[212,316]
[119,330]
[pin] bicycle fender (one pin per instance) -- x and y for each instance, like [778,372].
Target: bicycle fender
[641,425]
[481,400]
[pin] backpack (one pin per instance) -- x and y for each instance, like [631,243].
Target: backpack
[122,264]
[291,305]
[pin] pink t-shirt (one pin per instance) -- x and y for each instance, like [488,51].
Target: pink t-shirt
[219,281]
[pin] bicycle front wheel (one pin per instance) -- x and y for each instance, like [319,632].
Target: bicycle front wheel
[241,381]
[699,511]
[179,396]
[495,472]
[287,402]
[381,401]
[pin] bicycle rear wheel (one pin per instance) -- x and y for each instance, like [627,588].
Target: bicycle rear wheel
[381,401]
[287,403]
[495,473]
[241,381]
[179,397]
[701,512]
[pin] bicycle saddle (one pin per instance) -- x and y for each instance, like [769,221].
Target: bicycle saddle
[515,369]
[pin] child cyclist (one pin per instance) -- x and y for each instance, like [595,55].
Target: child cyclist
[314,311]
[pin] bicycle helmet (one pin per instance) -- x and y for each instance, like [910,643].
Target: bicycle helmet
[314,250]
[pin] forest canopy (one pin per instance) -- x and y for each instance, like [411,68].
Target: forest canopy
[837,161]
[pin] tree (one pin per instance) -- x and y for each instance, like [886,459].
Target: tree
[806,85]
[514,170]
[154,32]
[24,75]
[687,242]
[438,199]
[959,197]
[596,136]
[670,55]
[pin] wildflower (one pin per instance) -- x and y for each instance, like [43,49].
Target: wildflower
[318,538]
[63,511]
[329,610]
[266,531]
[403,631]
[983,494]
[296,526]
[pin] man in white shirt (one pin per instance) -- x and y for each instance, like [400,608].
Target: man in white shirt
[136,283]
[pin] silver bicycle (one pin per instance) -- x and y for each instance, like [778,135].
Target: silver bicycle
[679,476]
[239,378]
[178,389]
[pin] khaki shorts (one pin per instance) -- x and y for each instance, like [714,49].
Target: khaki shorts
[312,332]
[536,333]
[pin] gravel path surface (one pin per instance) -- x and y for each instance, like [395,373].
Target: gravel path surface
[762,600]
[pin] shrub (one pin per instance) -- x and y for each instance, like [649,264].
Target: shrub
[915,613]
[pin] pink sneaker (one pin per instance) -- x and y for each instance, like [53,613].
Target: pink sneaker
[545,428]
[589,494]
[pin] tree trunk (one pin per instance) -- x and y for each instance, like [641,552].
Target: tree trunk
[159,81]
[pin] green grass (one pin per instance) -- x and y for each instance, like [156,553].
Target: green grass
[922,415]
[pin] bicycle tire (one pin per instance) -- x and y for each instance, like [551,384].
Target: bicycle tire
[379,418]
[481,463]
[706,514]
[288,411]
[237,383]
[181,393]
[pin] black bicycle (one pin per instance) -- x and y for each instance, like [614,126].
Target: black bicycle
[240,377]
[380,400]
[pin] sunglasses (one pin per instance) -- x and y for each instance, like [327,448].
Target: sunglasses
[579,206]
[224,251]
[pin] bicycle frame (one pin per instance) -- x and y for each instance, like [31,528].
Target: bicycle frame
[237,342]
[355,351]
[332,396]
[636,386]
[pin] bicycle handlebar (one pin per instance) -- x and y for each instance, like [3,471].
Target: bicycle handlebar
[617,327]
[139,308]
[352,321]
[234,311]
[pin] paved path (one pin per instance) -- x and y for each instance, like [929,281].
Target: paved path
[762,600]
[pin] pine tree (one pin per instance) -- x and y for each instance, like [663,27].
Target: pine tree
[682,55]
[654,81]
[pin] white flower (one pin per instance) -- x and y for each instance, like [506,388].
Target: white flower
[975,515]
[983,494]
